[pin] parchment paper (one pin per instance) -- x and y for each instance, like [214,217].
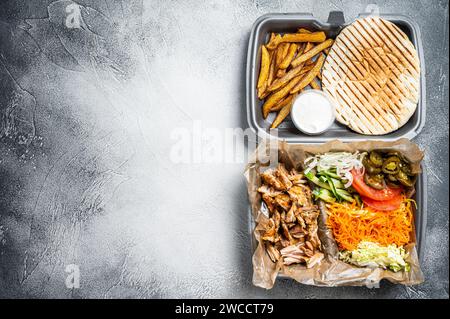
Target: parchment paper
[331,271]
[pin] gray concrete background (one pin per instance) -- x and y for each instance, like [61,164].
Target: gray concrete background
[85,173]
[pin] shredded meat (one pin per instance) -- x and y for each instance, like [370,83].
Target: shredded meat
[284,201]
[314,260]
[269,235]
[296,178]
[293,254]
[270,191]
[273,253]
[283,176]
[270,202]
[291,232]
[301,194]
[290,216]
[270,180]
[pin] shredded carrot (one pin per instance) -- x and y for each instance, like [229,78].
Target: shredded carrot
[352,224]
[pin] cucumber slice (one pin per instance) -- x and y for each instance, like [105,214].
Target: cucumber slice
[345,195]
[333,189]
[337,183]
[317,181]
[329,173]
[324,194]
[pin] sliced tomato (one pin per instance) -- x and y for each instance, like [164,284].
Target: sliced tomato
[384,205]
[376,194]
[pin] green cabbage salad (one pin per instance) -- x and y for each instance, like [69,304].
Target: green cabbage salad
[369,254]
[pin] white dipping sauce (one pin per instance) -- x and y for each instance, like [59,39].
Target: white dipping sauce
[312,112]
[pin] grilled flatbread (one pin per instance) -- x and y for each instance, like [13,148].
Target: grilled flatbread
[373,75]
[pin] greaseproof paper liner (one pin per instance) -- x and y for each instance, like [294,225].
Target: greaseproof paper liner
[331,271]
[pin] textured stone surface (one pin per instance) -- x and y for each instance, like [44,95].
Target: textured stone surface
[85,172]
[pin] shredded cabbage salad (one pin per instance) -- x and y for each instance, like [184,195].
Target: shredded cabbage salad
[342,162]
[369,254]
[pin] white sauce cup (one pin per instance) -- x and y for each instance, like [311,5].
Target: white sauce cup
[313,112]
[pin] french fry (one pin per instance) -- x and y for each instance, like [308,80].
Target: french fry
[289,56]
[308,47]
[263,94]
[303,30]
[282,103]
[284,112]
[319,75]
[315,85]
[271,41]
[272,36]
[311,53]
[262,91]
[270,77]
[309,62]
[277,54]
[279,83]
[281,73]
[297,37]
[272,69]
[300,51]
[281,52]
[285,51]
[265,64]
[278,95]
[305,80]
[307,68]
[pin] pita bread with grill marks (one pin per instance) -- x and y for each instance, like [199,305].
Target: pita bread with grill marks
[373,75]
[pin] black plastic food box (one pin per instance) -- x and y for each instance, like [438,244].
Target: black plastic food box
[285,23]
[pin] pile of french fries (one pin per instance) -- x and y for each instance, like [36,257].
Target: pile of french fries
[290,63]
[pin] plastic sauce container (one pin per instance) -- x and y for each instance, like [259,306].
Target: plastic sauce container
[312,112]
